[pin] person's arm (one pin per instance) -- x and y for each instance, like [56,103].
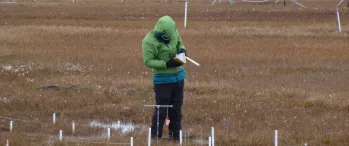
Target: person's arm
[180,44]
[149,57]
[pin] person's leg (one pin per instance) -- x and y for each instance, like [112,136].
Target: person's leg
[175,113]
[163,93]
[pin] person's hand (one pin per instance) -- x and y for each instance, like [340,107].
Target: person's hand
[182,51]
[173,63]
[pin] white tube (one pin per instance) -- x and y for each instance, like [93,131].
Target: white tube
[73,127]
[299,4]
[149,137]
[212,134]
[185,13]
[209,141]
[340,3]
[131,141]
[180,137]
[339,21]
[60,135]
[108,133]
[11,126]
[276,2]
[192,61]
[7,142]
[276,138]
[54,118]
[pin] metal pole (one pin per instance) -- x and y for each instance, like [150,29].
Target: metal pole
[212,135]
[209,141]
[149,137]
[185,13]
[180,137]
[73,127]
[276,2]
[108,133]
[339,22]
[131,143]
[60,135]
[157,123]
[276,138]
[54,118]
[11,126]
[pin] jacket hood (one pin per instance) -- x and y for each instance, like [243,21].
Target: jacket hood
[165,25]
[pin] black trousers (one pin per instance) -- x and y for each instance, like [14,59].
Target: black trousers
[168,94]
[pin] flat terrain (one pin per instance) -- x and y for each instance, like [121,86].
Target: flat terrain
[264,68]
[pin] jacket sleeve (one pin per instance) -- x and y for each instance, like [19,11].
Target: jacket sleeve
[149,57]
[180,43]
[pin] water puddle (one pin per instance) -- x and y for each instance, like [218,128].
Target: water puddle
[69,137]
[124,127]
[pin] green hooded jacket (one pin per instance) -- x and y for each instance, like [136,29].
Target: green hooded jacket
[156,54]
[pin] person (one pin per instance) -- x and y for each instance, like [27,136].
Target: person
[159,47]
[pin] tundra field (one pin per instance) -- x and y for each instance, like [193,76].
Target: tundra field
[263,68]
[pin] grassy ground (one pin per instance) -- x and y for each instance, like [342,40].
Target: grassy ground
[263,68]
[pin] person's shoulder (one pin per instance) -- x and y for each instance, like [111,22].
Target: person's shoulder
[149,39]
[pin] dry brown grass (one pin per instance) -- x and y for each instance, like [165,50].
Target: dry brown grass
[262,69]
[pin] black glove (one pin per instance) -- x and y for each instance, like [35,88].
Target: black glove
[181,50]
[173,63]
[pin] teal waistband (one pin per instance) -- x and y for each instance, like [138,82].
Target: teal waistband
[170,78]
